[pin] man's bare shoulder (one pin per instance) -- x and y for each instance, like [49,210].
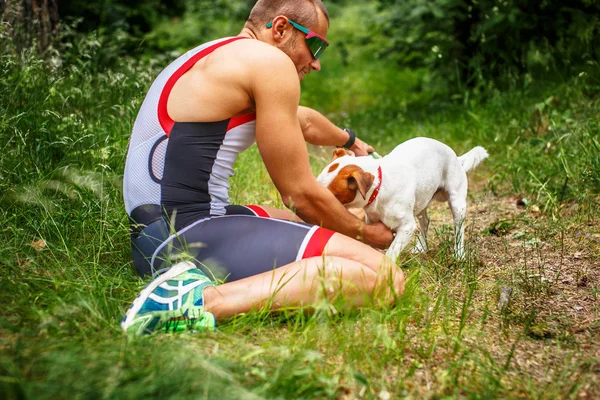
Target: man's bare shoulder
[253,50]
[256,57]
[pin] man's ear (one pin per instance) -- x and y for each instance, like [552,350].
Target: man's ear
[280,25]
[362,181]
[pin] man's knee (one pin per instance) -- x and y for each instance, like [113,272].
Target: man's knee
[343,246]
[399,282]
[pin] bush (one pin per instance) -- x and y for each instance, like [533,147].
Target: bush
[199,22]
[60,108]
[472,43]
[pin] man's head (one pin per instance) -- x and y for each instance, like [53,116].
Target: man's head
[289,36]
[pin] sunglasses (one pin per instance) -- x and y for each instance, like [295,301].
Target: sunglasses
[315,42]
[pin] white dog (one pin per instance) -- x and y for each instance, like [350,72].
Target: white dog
[398,187]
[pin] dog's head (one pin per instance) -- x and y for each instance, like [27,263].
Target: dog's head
[348,182]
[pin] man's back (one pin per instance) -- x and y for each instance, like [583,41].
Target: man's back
[148,144]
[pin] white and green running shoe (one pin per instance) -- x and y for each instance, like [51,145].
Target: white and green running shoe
[173,302]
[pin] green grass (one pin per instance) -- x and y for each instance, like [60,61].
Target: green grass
[67,278]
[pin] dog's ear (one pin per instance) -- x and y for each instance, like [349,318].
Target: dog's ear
[337,153]
[341,152]
[362,181]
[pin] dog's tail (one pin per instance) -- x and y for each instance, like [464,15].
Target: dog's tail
[473,158]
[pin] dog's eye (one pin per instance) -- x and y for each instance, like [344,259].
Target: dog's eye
[333,167]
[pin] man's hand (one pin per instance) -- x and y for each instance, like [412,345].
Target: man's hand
[377,235]
[360,148]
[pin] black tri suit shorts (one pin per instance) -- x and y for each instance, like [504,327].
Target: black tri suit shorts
[239,244]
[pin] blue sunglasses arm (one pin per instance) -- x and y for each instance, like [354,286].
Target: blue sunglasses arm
[295,25]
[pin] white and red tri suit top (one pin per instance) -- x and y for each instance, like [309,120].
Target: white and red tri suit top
[197,174]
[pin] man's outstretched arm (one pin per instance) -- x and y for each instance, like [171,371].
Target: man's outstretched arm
[283,150]
[320,131]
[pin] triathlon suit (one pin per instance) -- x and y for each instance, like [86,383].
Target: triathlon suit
[176,192]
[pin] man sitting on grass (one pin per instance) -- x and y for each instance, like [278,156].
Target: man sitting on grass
[199,114]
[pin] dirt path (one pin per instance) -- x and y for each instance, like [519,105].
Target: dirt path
[552,269]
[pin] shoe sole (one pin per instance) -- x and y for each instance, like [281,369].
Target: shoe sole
[139,301]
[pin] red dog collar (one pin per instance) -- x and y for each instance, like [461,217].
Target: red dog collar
[376,191]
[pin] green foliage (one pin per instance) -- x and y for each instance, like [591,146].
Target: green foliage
[199,22]
[104,33]
[473,43]
[49,108]
[134,17]
[560,155]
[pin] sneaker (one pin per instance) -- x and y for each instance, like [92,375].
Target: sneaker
[173,302]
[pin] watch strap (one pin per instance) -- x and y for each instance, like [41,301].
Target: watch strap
[352,138]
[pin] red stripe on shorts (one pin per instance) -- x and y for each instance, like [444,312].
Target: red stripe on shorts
[259,211]
[317,243]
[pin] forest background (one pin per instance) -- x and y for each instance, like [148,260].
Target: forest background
[521,78]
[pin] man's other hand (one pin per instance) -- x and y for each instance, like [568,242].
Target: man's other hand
[360,148]
[377,235]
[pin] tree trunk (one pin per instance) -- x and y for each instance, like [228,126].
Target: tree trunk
[30,22]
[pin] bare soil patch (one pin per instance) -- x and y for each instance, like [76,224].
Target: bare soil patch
[552,269]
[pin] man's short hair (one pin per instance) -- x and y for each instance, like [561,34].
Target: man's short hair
[303,12]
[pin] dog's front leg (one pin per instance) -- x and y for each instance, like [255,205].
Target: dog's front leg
[403,235]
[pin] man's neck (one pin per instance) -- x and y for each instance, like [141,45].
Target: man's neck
[249,32]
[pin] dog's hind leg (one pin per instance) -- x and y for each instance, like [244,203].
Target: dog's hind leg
[458,206]
[456,187]
[421,245]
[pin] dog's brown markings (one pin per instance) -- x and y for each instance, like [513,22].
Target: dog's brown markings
[333,167]
[348,180]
